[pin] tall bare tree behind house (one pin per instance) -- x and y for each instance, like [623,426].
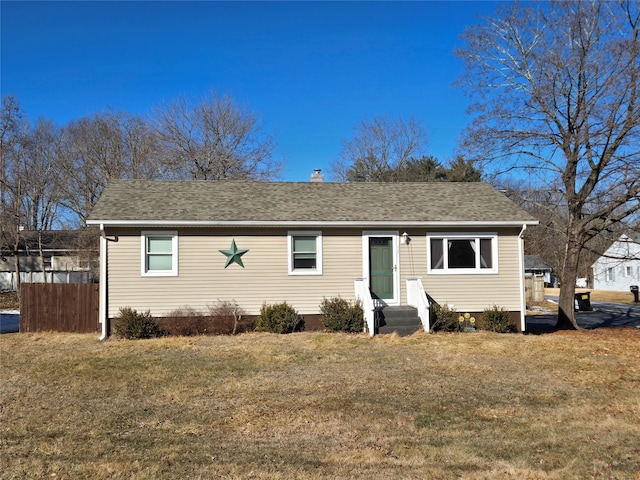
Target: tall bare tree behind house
[215,138]
[557,90]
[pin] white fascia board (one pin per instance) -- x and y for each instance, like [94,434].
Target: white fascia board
[305,223]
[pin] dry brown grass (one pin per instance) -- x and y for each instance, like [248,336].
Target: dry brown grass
[9,301]
[319,406]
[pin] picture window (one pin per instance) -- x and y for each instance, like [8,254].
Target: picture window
[455,253]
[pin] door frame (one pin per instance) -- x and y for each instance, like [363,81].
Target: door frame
[395,243]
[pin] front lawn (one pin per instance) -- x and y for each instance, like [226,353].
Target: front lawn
[322,406]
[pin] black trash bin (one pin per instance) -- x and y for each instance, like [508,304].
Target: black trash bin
[584,301]
[634,290]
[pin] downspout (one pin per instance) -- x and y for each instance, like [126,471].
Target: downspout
[102,308]
[523,299]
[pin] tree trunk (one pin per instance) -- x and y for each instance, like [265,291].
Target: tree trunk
[566,304]
[41,253]
[16,257]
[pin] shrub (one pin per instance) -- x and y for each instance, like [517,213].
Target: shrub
[443,319]
[279,318]
[221,318]
[226,315]
[185,321]
[496,319]
[340,315]
[132,325]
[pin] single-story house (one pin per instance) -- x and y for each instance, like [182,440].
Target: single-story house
[619,266]
[535,266]
[170,244]
[59,256]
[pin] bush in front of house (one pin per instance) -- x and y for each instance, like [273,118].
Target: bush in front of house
[185,321]
[496,319]
[224,317]
[133,325]
[279,318]
[340,315]
[227,316]
[442,318]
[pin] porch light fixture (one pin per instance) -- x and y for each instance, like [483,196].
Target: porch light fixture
[405,238]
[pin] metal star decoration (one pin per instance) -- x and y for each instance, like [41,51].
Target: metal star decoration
[233,255]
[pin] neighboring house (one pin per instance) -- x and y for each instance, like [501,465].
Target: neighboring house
[619,267]
[535,266]
[64,256]
[170,244]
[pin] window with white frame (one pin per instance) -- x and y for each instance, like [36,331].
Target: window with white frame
[610,274]
[159,254]
[628,271]
[462,253]
[305,252]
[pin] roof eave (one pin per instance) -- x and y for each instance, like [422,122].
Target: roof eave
[309,223]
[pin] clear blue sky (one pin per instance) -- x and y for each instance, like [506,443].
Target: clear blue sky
[312,71]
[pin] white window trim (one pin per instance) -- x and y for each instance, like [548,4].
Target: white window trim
[609,274]
[463,236]
[174,254]
[305,233]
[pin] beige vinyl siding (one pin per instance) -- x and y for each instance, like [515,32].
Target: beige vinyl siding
[475,292]
[413,260]
[202,278]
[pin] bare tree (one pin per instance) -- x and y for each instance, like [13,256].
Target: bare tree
[557,86]
[13,132]
[97,149]
[27,191]
[545,239]
[38,169]
[214,138]
[380,150]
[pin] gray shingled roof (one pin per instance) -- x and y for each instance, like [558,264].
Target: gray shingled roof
[30,240]
[534,262]
[211,202]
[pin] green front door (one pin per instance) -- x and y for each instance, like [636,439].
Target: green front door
[381,267]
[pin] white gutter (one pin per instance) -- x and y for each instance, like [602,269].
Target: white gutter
[102,309]
[523,297]
[304,223]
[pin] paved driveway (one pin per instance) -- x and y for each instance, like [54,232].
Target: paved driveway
[9,321]
[604,314]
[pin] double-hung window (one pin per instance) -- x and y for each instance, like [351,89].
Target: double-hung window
[159,254]
[610,274]
[305,252]
[462,253]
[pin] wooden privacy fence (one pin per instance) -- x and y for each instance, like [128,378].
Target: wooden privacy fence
[534,287]
[59,307]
